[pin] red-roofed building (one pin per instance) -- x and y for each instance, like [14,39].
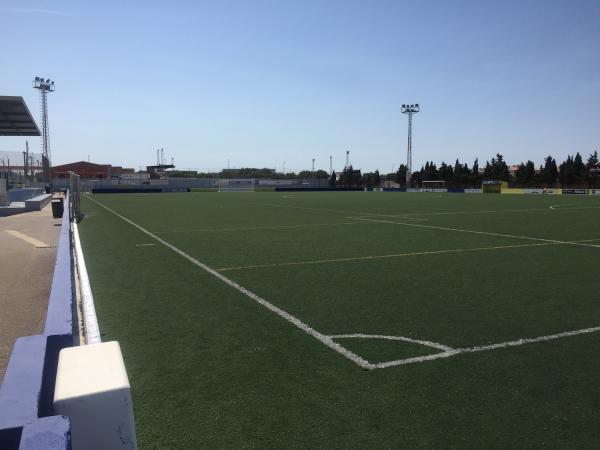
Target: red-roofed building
[88,170]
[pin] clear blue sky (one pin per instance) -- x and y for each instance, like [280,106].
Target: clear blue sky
[263,82]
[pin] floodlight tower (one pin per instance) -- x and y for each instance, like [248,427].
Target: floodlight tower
[45,86]
[410,110]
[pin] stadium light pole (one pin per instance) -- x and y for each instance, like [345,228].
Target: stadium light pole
[409,110]
[313,164]
[45,86]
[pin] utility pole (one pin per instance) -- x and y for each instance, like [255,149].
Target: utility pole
[44,87]
[26,162]
[409,110]
[313,164]
[330,164]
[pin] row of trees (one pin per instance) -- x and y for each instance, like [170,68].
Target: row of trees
[572,172]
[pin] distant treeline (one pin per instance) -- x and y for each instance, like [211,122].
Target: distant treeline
[570,173]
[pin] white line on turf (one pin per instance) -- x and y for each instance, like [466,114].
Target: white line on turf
[263,227]
[411,216]
[437,227]
[569,208]
[271,307]
[342,211]
[392,338]
[483,348]
[395,255]
[145,245]
[485,211]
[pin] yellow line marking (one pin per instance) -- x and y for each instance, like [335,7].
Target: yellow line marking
[26,238]
[397,255]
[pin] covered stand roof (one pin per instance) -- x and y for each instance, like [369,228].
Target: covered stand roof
[15,118]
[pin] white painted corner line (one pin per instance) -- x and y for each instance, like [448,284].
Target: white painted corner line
[28,239]
[261,301]
[393,338]
[145,245]
[90,320]
[480,348]
[487,233]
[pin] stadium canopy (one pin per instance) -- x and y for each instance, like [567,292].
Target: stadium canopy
[15,118]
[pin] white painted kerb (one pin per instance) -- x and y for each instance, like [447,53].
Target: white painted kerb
[90,321]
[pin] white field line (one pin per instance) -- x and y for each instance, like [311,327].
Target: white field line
[90,321]
[263,227]
[271,307]
[145,245]
[484,211]
[392,338]
[341,211]
[566,208]
[486,233]
[28,239]
[395,255]
[484,348]
[411,216]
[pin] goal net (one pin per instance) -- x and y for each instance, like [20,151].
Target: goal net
[237,184]
[434,184]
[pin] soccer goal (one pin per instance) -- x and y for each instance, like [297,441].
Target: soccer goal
[433,184]
[237,184]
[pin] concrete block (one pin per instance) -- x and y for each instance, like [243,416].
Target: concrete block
[93,390]
[48,433]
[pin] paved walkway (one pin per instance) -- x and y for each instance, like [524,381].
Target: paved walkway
[26,269]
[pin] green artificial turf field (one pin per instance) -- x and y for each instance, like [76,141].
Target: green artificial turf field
[352,319]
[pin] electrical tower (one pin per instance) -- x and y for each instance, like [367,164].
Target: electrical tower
[410,110]
[45,86]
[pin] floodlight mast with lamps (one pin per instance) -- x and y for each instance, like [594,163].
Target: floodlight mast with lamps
[45,86]
[409,110]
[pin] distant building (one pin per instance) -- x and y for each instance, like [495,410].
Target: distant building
[88,170]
